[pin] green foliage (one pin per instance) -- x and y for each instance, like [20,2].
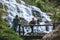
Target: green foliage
[5,32]
[9,34]
[30,2]
[5,7]
[58,17]
[1,6]
[18,1]
[39,1]
[21,21]
[46,8]
[1,20]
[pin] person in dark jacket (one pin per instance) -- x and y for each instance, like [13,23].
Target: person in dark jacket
[15,22]
[32,23]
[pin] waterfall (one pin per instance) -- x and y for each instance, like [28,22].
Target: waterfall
[24,11]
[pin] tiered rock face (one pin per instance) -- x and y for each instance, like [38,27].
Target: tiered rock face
[54,35]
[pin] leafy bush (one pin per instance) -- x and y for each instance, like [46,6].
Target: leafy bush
[5,32]
[9,34]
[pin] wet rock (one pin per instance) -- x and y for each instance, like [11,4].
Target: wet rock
[54,35]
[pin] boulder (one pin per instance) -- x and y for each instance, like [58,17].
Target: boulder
[54,35]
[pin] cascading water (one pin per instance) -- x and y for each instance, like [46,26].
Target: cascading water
[24,11]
